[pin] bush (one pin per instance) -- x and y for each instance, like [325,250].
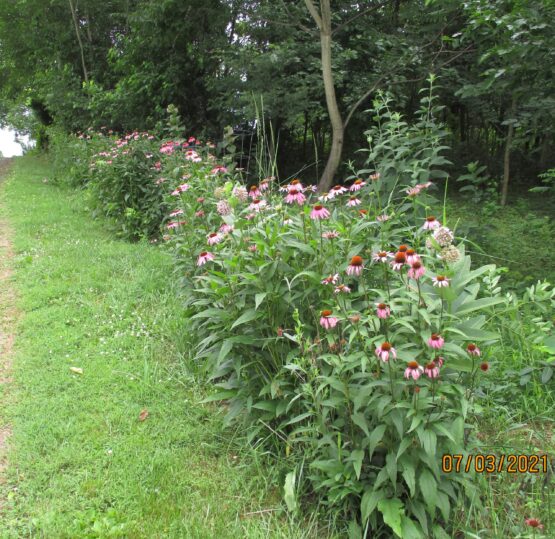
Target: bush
[340,328]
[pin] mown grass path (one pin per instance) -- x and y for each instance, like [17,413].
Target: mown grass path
[8,315]
[96,347]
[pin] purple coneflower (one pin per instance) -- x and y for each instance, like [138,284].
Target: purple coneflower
[413,370]
[356,266]
[382,256]
[319,212]
[431,223]
[332,279]
[436,341]
[327,321]
[412,256]
[330,235]
[398,261]
[385,350]
[226,229]
[353,201]
[431,370]
[214,238]
[440,281]
[473,350]
[383,310]
[341,289]
[258,204]
[416,270]
[204,257]
[357,185]
[295,195]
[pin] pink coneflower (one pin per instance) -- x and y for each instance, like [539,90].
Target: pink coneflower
[174,213]
[295,184]
[158,165]
[473,350]
[382,256]
[223,207]
[383,310]
[484,366]
[181,189]
[214,238]
[413,370]
[295,195]
[423,185]
[252,247]
[416,270]
[356,266]
[385,350]
[337,190]
[160,181]
[375,177]
[403,248]
[288,221]
[199,213]
[440,281]
[200,200]
[327,321]
[357,185]
[254,192]
[383,218]
[172,225]
[341,289]
[319,212]
[218,169]
[325,197]
[436,341]
[265,183]
[353,201]
[431,223]
[204,257]
[412,191]
[330,235]
[431,370]
[363,213]
[250,216]
[411,256]
[332,279]
[225,229]
[439,361]
[399,261]
[534,523]
[258,204]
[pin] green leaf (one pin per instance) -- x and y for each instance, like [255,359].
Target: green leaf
[357,456]
[360,421]
[258,299]
[428,486]
[392,510]
[369,502]
[224,350]
[289,492]
[247,316]
[374,439]
[220,396]
[428,439]
[478,304]
[409,475]
[411,530]
[547,373]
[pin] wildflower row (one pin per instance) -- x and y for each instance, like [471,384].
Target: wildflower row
[345,329]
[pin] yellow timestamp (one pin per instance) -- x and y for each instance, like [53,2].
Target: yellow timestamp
[489,463]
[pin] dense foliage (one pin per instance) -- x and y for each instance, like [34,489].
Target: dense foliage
[121,63]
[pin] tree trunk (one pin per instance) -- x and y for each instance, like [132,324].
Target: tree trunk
[76,24]
[323,20]
[507,155]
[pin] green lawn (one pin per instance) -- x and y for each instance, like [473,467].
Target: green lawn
[82,464]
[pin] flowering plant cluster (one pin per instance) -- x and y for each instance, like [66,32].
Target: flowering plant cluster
[346,328]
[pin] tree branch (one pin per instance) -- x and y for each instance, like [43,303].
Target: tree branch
[359,14]
[314,12]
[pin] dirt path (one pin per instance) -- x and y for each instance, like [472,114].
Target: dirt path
[8,315]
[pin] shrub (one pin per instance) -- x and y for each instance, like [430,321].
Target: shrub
[341,329]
